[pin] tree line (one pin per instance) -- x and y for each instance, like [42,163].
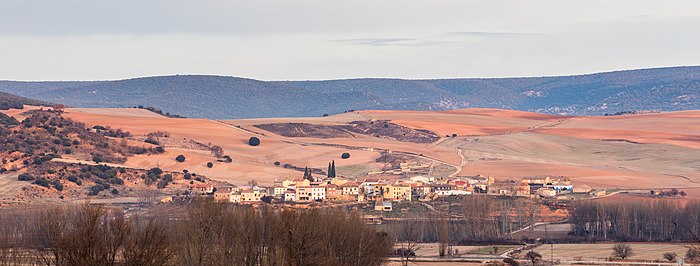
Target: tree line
[202,233]
[472,219]
[656,220]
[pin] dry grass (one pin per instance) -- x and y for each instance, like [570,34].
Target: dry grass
[642,251]
[505,144]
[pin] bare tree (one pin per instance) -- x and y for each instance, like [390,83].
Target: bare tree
[443,235]
[622,251]
[217,151]
[410,244]
[148,245]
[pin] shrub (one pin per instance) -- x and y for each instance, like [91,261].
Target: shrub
[227,159]
[57,185]
[454,135]
[692,254]
[267,199]
[152,141]
[277,163]
[25,177]
[217,151]
[156,171]
[72,178]
[115,191]
[180,158]
[622,251]
[162,184]
[97,158]
[187,176]
[96,189]
[210,164]
[670,256]
[533,256]
[42,182]
[254,141]
[345,155]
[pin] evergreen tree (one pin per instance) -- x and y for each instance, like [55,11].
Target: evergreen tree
[329,170]
[332,171]
[306,173]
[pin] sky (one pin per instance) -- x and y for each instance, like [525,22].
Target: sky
[327,39]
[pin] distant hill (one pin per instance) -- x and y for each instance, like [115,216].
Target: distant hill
[218,97]
[8,101]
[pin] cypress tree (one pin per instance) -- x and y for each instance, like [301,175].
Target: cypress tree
[307,174]
[329,170]
[332,171]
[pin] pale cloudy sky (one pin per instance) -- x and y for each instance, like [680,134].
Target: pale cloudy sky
[325,39]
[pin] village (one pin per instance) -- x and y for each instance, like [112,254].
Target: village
[383,190]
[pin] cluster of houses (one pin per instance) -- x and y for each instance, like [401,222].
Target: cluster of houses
[383,192]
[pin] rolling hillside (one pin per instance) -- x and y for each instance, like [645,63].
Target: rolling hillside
[218,97]
[8,101]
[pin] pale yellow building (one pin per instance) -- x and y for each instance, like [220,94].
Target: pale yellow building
[397,192]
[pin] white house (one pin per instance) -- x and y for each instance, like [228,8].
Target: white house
[290,195]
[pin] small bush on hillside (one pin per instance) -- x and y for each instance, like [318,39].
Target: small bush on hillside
[25,177]
[96,189]
[152,141]
[57,185]
[162,184]
[42,182]
[210,164]
[254,141]
[72,178]
[97,158]
[345,155]
[180,158]
[115,191]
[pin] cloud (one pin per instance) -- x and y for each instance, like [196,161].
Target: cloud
[376,41]
[493,34]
